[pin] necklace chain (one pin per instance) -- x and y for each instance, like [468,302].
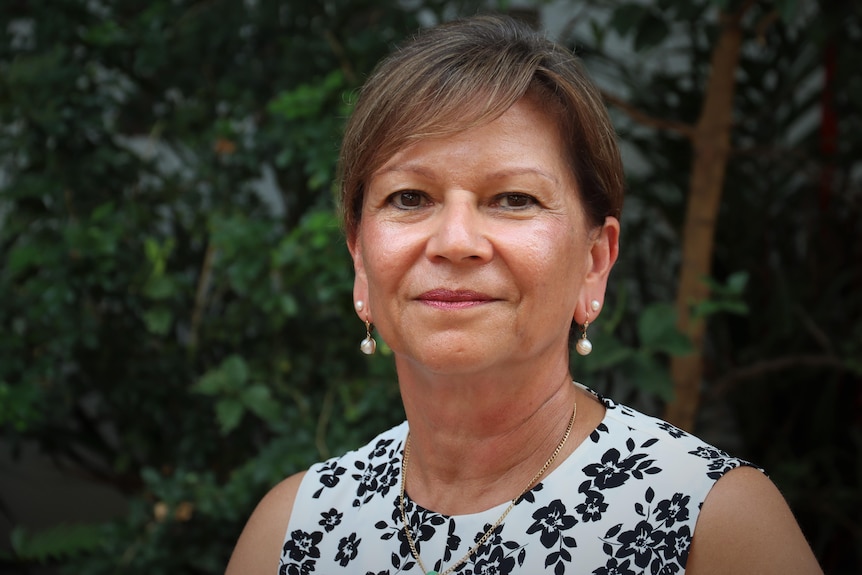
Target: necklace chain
[496,524]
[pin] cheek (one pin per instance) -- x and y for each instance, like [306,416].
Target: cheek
[384,260]
[555,269]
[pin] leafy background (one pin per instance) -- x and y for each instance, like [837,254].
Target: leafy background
[175,295]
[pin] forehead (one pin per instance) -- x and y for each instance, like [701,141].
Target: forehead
[525,139]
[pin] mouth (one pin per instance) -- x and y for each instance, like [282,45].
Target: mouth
[454,299]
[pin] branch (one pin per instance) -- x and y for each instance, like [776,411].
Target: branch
[764,24]
[737,16]
[338,49]
[641,117]
[201,296]
[732,379]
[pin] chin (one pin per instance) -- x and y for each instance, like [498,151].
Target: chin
[454,360]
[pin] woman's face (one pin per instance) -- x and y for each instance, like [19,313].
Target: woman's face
[473,251]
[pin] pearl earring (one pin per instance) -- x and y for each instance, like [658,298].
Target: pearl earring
[595,305]
[359,305]
[585,346]
[368,345]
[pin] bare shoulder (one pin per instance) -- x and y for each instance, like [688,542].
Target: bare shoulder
[746,526]
[259,546]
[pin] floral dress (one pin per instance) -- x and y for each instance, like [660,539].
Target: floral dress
[625,502]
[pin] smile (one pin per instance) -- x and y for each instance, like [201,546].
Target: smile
[454,299]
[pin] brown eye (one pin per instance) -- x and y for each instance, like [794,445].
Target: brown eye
[516,201]
[407,200]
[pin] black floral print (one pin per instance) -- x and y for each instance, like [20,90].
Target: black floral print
[614,567]
[348,547]
[302,549]
[594,504]
[497,563]
[672,430]
[672,510]
[633,512]
[613,472]
[330,474]
[647,544]
[302,545]
[495,556]
[330,519]
[719,461]
[552,521]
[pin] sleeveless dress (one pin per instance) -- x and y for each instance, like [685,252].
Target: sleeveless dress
[625,502]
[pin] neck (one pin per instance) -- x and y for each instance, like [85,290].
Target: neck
[477,441]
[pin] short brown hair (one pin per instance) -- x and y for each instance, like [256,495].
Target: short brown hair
[466,73]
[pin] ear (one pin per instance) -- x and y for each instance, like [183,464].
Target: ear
[360,279]
[602,257]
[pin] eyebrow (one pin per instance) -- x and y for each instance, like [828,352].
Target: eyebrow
[499,174]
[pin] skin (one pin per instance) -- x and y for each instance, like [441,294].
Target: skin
[473,257]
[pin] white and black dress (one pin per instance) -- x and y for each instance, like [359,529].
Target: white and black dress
[625,502]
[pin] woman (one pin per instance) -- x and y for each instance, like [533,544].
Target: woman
[481,189]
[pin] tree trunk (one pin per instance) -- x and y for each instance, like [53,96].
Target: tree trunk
[711,143]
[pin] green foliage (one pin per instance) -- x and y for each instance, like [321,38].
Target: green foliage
[174,281]
[229,382]
[727,297]
[642,364]
[57,543]
[782,348]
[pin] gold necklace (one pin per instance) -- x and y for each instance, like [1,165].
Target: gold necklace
[488,533]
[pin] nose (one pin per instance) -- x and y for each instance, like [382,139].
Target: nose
[459,233]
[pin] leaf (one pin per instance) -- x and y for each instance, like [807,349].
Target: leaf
[159,287]
[733,286]
[229,412]
[211,383]
[788,9]
[713,307]
[736,282]
[674,343]
[613,530]
[287,304]
[608,352]
[55,543]
[258,399]
[306,100]
[651,31]
[235,371]
[652,378]
[598,32]
[658,332]
[158,320]
[23,257]
[626,17]
[103,211]
[655,319]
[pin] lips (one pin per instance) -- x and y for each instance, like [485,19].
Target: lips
[454,299]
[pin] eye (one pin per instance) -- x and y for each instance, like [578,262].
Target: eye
[516,201]
[408,200]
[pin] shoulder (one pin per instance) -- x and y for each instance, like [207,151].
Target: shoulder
[745,526]
[683,451]
[259,546]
